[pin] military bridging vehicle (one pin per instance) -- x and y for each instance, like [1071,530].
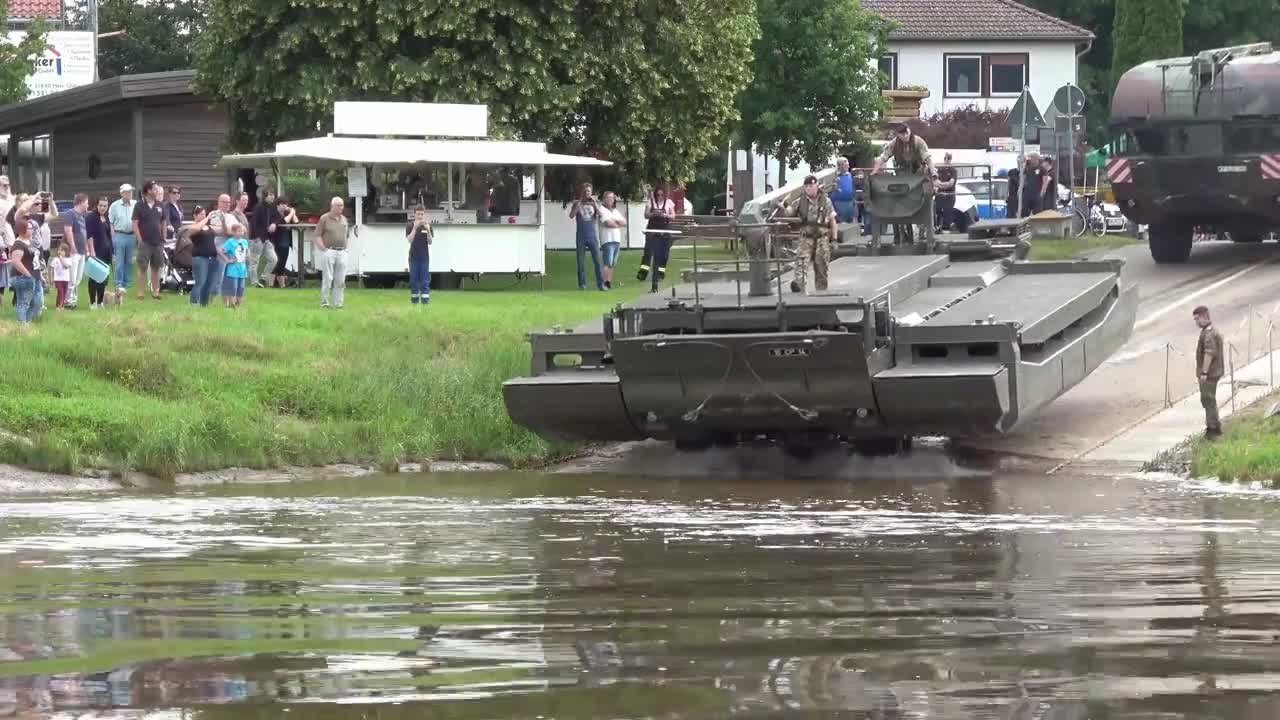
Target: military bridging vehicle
[899,346]
[1196,143]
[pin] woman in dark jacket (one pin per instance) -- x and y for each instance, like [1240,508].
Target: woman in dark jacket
[98,229]
[282,238]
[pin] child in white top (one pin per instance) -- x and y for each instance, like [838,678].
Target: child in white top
[62,274]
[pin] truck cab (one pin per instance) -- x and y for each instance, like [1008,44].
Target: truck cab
[1196,143]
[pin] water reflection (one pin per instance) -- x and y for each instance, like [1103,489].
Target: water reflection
[528,596]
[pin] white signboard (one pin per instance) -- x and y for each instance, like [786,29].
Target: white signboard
[357,182]
[410,119]
[67,62]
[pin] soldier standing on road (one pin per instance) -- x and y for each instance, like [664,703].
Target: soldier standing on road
[1209,366]
[817,232]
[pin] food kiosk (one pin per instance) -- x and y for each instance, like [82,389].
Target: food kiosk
[485,198]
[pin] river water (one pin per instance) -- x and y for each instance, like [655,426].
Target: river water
[583,596]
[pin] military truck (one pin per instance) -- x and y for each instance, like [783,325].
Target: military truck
[1196,143]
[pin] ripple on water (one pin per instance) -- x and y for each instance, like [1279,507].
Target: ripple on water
[1132,598]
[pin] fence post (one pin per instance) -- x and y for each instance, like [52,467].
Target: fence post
[1248,351]
[1232,355]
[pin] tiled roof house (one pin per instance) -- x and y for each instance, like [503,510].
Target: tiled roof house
[981,52]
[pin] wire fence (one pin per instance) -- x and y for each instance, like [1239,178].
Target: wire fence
[1252,339]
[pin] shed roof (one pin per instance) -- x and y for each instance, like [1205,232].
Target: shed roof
[86,97]
[28,9]
[972,20]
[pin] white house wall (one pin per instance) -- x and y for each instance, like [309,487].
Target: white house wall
[1051,65]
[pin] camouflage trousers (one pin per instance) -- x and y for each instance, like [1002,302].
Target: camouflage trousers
[815,247]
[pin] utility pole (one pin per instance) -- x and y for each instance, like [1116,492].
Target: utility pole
[1022,155]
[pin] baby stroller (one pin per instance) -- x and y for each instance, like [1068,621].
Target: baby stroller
[177,274]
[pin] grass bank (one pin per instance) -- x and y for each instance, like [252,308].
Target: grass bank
[161,387]
[1248,451]
[1069,249]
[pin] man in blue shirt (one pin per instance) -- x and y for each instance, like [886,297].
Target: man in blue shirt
[120,215]
[842,194]
[77,241]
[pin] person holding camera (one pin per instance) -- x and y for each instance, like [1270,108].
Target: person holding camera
[586,212]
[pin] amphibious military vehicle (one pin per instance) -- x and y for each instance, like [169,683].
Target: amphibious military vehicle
[1196,142]
[898,346]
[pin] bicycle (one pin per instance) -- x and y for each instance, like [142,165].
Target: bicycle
[1091,222]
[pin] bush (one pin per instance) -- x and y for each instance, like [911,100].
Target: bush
[963,128]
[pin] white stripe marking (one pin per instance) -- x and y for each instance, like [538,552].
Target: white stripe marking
[1206,289]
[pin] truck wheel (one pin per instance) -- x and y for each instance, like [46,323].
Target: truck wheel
[1170,242]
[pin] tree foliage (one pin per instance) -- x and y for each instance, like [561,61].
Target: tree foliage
[17,61]
[815,87]
[968,127]
[648,84]
[159,36]
[1145,30]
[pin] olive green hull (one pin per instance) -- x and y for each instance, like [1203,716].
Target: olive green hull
[898,346]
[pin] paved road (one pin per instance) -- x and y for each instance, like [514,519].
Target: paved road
[1231,279]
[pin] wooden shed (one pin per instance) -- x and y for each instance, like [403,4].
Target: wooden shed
[131,128]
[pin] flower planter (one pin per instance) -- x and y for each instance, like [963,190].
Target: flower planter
[903,105]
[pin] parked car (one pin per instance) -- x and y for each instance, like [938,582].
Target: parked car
[978,199]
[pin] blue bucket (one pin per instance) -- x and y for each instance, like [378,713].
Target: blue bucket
[97,270]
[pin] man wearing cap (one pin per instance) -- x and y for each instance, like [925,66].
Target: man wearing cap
[910,154]
[817,231]
[120,215]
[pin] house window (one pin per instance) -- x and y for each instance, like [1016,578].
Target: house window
[964,75]
[986,76]
[1008,74]
[889,71]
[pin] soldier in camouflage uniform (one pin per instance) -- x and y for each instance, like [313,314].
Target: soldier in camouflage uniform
[817,231]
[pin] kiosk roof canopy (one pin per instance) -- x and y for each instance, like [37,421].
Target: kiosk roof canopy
[329,152]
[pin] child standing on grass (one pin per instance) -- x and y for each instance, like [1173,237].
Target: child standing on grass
[62,275]
[235,253]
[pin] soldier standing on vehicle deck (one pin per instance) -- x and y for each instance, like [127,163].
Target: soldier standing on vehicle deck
[910,154]
[817,232]
[1209,366]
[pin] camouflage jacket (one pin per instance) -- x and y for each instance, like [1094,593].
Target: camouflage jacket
[813,213]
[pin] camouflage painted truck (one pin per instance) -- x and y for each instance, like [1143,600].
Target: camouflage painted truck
[1196,143]
[954,343]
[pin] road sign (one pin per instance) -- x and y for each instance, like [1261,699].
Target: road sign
[1069,124]
[1025,113]
[1069,100]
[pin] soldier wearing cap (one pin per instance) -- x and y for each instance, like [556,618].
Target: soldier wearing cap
[910,154]
[817,231]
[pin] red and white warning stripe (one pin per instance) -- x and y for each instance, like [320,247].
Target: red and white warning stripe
[1119,171]
[1271,167]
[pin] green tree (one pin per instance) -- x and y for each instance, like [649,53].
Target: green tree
[17,62]
[1230,22]
[648,84]
[1145,30]
[158,36]
[815,86]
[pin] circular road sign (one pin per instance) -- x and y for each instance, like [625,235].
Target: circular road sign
[1069,100]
